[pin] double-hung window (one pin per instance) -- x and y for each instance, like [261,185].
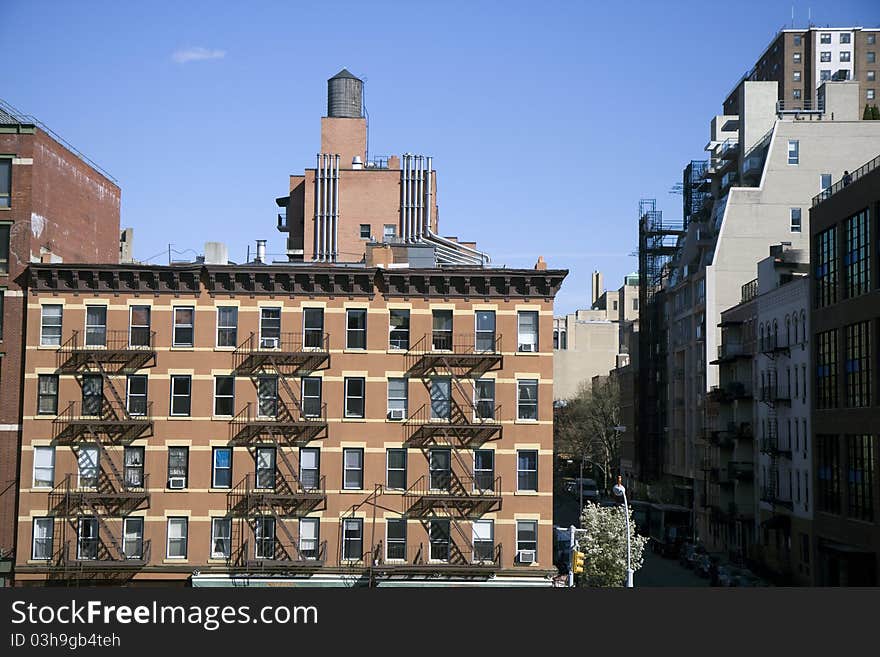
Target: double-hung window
[96,326]
[441,398]
[353,468]
[133,537]
[309,535]
[396,469]
[264,537]
[92,395]
[47,394]
[526,538]
[353,539]
[356,328]
[310,467]
[311,396]
[265,464]
[485,330]
[527,470]
[184,321]
[44,530]
[5,198]
[527,399]
[177,536]
[87,538]
[484,469]
[440,538]
[134,467]
[221,470]
[313,328]
[139,326]
[224,395]
[440,469]
[397,399]
[136,394]
[794,150]
[178,467]
[5,230]
[527,331]
[221,538]
[270,328]
[50,325]
[267,396]
[44,467]
[399,336]
[795,223]
[395,539]
[227,326]
[441,335]
[181,391]
[484,399]
[354,396]
[484,540]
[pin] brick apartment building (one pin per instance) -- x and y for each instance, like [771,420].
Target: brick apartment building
[55,206]
[299,424]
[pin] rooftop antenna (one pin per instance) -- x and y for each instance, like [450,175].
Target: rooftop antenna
[792,17]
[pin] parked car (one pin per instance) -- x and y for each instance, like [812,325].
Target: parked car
[689,554]
[588,486]
[703,565]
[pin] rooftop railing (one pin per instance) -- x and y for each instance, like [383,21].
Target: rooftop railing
[846,181]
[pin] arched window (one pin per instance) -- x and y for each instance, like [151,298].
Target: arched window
[555,338]
[788,331]
[775,334]
[795,320]
[804,326]
[563,340]
[761,342]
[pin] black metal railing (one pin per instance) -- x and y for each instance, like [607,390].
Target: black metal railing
[288,420]
[806,105]
[846,181]
[306,342]
[286,492]
[437,555]
[101,417]
[749,290]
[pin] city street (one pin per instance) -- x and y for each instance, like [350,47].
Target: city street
[658,571]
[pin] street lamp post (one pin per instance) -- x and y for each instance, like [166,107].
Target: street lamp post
[621,491]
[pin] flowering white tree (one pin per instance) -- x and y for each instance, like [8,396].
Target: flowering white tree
[604,545]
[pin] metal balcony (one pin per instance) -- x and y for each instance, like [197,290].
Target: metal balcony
[289,423]
[437,557]
[288,496]
[729,148]
[769,496]
[94,555]
[287,354]
[278,555]
[805,106]
[466,494]
[463,427]
[112,494]
[118,352]
[102,419]
[461,354]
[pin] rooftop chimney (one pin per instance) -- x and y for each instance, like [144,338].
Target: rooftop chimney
[598,286]
[541,265]
[261,251]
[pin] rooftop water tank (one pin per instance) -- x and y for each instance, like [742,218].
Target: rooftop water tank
[345,95]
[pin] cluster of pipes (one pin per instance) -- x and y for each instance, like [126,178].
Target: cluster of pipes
[326,207]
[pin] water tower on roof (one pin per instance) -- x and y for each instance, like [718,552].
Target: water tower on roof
[345,96]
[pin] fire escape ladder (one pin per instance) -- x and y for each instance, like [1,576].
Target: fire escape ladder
[103,526]
[118,482]
[291,395]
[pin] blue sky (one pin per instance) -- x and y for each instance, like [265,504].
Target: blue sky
[546,121]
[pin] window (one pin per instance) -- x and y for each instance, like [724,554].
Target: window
[356,328]
[224,395]
[44,467]
[264,537]
[440,538]
[44,529]
[267,396]
[181,388]
[826,267]
[47,394]
[354,397]
[87,467]
[797,76]
[825,56]
[484,469]
[221,467]
[178,467]
[484,399]
[1,313]
[484,540]
[844,55]
[221,538]
[136,394]
[4,243]
[825,37]
[353,539]
[395,469]
[441,398]
[869,94]
[793,151]
[441,336]
[797,58]
[796,94]
[563,341]
[310,467]
[635,304]
[227,326]
[183,327]
[270,328]
[825,73]
[92,395]
[860,477]
[845,37]
[826,369]
[824,181]
[485,332]
[527,330]
[177,532]
[87,539]
[397,398]
[133,537]
[365,231]
[389,232]
[871,76]
[399,337]
[555,339]
[527,536]
[857,259]
[440,469]
[395,539]
[527,399]
[139,327]
[96,326]
[264,459]
[353,468]
[527,470]
[313,328]
[871,57]
[795,220]
[858,364]
[311,396]
[309,534]
[796,40]
[5,202]
[828,474]
[133,460]
[50,325]
[872,39]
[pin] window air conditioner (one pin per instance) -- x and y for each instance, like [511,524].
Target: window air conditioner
[177,482]
[268,343]
[525,556]
[527,347]
[395,414]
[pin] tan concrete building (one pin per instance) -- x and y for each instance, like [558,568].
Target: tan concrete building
[303,425]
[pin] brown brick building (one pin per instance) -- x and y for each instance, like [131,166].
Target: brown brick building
[307,425]
[55,206]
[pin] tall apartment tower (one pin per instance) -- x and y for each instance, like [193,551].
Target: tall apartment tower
[800,60]
[55,206]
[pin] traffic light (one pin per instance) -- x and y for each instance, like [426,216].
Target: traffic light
[577,562]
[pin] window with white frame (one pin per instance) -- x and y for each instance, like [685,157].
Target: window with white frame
[227,326]
[526,537]
[43,535]
[845,55]
[184,321]
[484,399]
[825,73]
[181,389]
[484,540]
[796,76]
[795,215]
[92,395]
[136,394]
[354,396]
[527,470]
[133,537]
[139,326]
[353,539]
[96,326]
[264,458]
[796,94]
[178,467]
[44,467]
[441,398]
[796,58]
[440,469]
[439,538]
[869,94]
[221,467]
[395,539]
[870,76]
[87,466]
[310,467]
[484,469]
[311,396]
[50,325]
[399,329]
[825,37]
[221,538]
[270,328]
[224,395]
[395,469]
[264,537]
[267,396]
[441,330]
[389,232]
[313,328]
[485,330]
[397,398]
[177,534]
[845,37]
[309,535]
[133,466]
[353,468]
[793,151]
[356,328]
[527,399]
[5,202]
[527,330]
[871,57]
[87,538]
[47,394]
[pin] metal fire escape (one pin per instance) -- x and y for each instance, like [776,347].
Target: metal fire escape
[772,396]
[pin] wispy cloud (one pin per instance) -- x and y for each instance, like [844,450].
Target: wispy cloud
[197,54]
